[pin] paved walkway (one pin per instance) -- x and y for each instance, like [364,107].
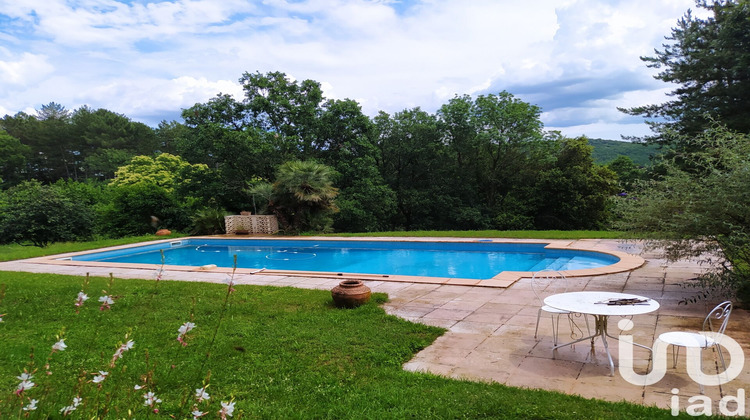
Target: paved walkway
[490,333]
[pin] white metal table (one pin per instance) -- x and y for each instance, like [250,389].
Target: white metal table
[594,303]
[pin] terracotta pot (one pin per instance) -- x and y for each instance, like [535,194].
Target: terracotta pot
[350,294]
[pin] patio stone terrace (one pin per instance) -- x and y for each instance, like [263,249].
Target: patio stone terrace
[490,333]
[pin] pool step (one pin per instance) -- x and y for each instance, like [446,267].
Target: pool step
[552,264]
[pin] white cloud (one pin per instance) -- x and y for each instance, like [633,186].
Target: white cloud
[24,70]
[145,57]
[136,97]
[642,97]
[113,23]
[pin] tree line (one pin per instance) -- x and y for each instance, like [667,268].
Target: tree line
[476,163]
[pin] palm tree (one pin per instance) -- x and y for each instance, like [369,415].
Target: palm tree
[303,195]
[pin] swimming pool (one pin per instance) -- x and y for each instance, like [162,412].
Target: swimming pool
[475,260]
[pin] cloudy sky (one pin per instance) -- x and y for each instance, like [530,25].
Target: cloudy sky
[577,59]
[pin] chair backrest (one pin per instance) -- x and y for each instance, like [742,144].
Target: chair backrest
[718,317]
[548,282]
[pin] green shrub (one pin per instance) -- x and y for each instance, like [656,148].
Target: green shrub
[44,213]
[142,208]
[208,222]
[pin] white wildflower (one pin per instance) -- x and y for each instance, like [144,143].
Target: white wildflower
[151,399]
[106,301]
[185,328]
[59,346]
[201,394]
[82,297]
[198,414]
[122,349]
[25,384]
[25,376]
[137,387]
[227,409]
[31,406]
[71,408]
[100,377]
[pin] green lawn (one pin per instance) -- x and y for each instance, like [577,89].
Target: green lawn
[18,251]
[279,352]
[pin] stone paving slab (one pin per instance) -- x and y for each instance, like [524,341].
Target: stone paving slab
[490,331]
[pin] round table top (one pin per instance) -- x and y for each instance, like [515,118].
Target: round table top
[587,303]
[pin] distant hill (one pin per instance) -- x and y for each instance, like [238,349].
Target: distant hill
[606,151]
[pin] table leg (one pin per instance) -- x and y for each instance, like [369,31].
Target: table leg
[605,334]
[635,344]
[601,325]
[601,330]
[575,341]
[598,331]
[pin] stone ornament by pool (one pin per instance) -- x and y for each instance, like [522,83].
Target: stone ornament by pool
[485,262]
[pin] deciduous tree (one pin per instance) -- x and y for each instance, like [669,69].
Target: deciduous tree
[572,192]
[286,108]
[164,171]
[701,212]
[412,162]
[13,157]
[344,141]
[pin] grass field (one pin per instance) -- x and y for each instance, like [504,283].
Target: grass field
[274,352]
[18,252]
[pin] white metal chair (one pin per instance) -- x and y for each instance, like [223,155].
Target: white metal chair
[718,317]
[543,284]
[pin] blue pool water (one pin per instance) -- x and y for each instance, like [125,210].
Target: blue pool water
[469,260]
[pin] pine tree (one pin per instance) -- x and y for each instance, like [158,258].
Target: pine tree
[710,61]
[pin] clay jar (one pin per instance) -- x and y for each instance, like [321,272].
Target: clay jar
[350,294]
